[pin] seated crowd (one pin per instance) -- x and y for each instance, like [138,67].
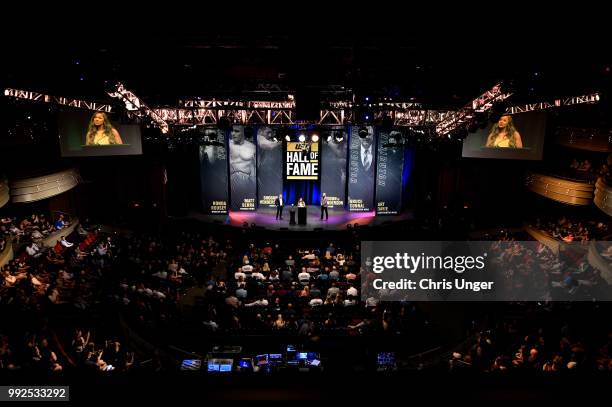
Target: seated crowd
[44,351]
[34,227]
[533,265]
[548,347]
[257,287]
[228,284]
[39,278]
[587,170]
[571,230]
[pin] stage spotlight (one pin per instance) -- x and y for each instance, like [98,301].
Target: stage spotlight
[363,132]
[302,138]
[315,138]
[328,138]
[287,138]
[339,137]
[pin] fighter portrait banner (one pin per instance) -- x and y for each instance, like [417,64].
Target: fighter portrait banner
[362,167]
[242,170]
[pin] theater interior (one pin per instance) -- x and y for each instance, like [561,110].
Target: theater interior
[201,211]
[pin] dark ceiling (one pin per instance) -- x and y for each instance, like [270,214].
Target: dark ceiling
[441,66]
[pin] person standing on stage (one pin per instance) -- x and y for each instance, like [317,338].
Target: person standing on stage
[324,206]
[279,206]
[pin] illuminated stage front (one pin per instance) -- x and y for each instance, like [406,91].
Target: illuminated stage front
[339,219]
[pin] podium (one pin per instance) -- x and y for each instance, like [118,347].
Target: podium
[292,215]
[302,216]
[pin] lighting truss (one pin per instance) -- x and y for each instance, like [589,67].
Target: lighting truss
[414,117]
[482,103]
[137,107]
[335,116]
[207,112]
[569,101]
[237,104]
[60,100]
[204,116]
[201,112]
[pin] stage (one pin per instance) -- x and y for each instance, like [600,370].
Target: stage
[339,219]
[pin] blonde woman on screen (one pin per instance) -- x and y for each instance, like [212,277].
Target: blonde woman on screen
[504,134]
[101,132]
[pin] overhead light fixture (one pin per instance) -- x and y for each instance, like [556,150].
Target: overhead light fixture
[287,138]
[315,138]
[302,138]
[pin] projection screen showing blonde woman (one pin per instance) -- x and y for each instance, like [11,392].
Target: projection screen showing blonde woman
[504,134]
[101,132]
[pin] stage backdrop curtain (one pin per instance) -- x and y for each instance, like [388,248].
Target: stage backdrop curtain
[309,190]
[407,179]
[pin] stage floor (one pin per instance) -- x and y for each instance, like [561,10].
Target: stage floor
[265,217]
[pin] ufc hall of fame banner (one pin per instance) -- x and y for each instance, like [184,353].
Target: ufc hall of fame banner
[362,167]
[302,161]
[213,172]
[242,170]
[269,164]
[333,166]
[389,170]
